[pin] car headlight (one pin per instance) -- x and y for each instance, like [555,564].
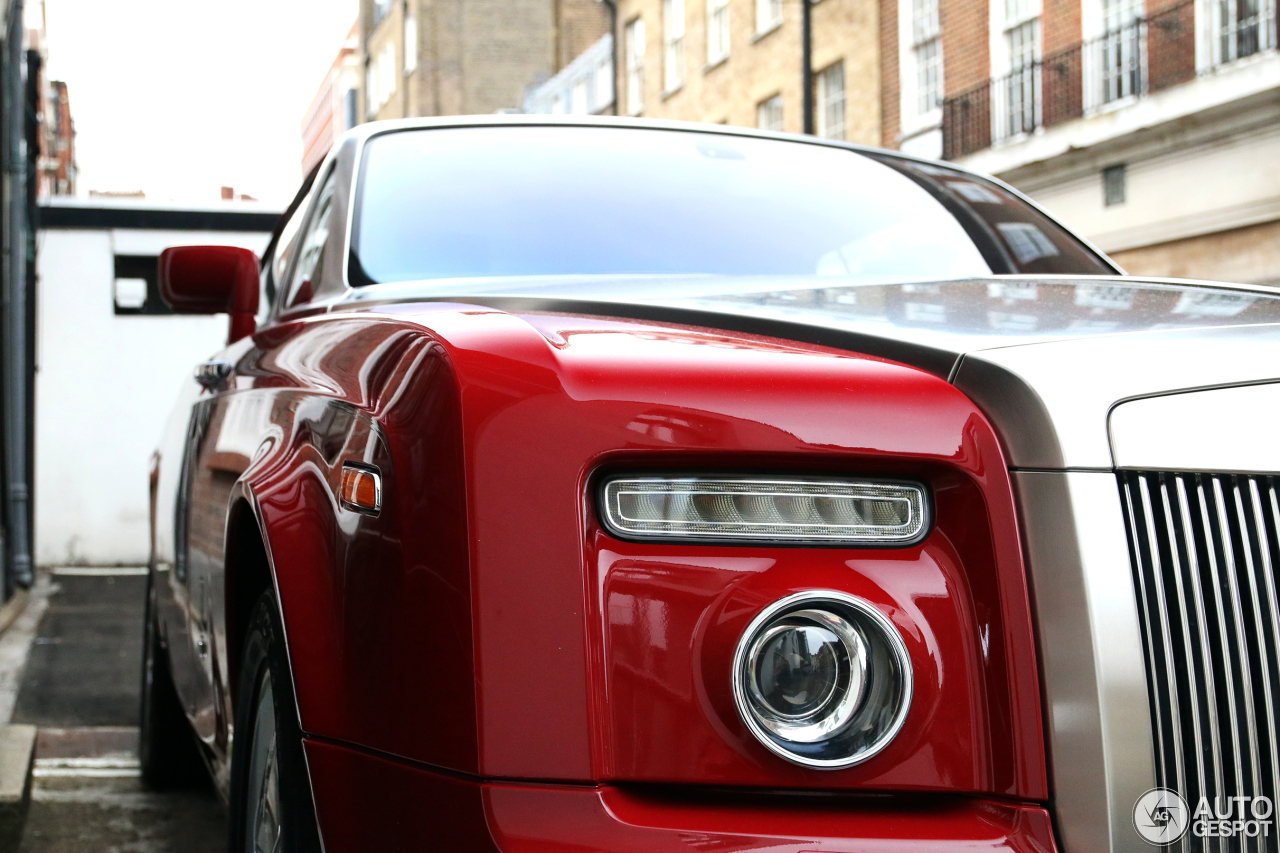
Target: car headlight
[852,513]
[822,679]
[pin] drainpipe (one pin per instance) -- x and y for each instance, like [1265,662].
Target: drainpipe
[17,494]
[806,59]
[613,30]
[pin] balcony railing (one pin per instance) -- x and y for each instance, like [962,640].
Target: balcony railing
[1147,55]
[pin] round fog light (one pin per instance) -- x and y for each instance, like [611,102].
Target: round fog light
[822,679]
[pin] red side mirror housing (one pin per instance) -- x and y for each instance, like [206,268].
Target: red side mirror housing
[211,280]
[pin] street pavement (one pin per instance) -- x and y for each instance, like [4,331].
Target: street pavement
[80,686]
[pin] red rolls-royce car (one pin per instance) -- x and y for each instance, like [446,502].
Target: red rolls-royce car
[614,486]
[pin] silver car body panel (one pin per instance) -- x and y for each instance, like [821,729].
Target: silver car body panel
[1095,678]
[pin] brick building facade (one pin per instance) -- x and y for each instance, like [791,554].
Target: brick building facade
[1151,127]
[466,57]
[739,62]
[335,109]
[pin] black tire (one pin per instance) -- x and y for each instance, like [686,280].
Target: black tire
[167,750]
[266,715]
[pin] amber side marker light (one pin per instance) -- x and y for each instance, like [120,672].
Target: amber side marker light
[361,489]
[854,513]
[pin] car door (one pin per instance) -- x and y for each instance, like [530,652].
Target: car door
[207,445]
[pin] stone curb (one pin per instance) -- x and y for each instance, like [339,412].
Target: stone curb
[17,758]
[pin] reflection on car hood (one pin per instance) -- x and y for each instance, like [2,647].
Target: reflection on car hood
[1046,358]
[951,317]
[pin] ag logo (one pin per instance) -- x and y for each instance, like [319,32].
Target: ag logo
[1161,816]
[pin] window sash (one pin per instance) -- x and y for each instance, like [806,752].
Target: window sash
[831,102]
[769,114]
[673,43]
[717,30]
[928,60]
[635,65]
[768,14]
[410,41]
[926,22]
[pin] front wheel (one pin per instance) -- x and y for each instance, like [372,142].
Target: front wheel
[271,809]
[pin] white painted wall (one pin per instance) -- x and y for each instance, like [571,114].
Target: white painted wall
[104,387]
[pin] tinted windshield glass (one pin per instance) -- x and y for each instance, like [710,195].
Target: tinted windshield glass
[546,201]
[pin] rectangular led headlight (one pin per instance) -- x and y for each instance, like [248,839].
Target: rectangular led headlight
[830,512]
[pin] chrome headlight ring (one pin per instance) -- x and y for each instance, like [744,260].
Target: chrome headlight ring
[822,679]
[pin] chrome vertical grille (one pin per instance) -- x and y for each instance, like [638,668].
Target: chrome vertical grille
[1204,549]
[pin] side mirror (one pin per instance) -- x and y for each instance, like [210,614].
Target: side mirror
[211,280]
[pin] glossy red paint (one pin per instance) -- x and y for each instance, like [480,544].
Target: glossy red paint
[484,624]
[367,802]
[211,280]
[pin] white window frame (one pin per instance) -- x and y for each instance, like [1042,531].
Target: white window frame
[1106,32]
[770,113]
[1210,23]
[633,42]
[604,81]
[913,120]
[768,15]
[387,71]
[1002,25]
[673,66]
[826,100]
[410,39]
[717,31]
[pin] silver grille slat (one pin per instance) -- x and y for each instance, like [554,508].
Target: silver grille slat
[1204,550]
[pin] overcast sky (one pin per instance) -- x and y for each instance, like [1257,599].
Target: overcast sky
[178,98]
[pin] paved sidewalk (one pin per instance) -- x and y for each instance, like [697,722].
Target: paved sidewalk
[80,686]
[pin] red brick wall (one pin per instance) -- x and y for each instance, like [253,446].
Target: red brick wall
[1060,25]
[890,84]
[965,49]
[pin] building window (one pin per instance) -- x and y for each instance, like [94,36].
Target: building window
[769,114]
[672,44]
[634,46]
[768,15]
[926,52]
[1113,185]
[582,97]
[381,8]
[410,40]
[1114,60]
[1243,28]
[830,102]
[371,87]
[1018,100]
[604,79]
[717,31]
[387,71]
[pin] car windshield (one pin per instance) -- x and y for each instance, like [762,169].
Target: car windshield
[569,201]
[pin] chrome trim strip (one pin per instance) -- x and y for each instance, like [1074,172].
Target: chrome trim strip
[1233,710]
[1095,678]
[1174,720]
[1204,648]
[1242,649]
